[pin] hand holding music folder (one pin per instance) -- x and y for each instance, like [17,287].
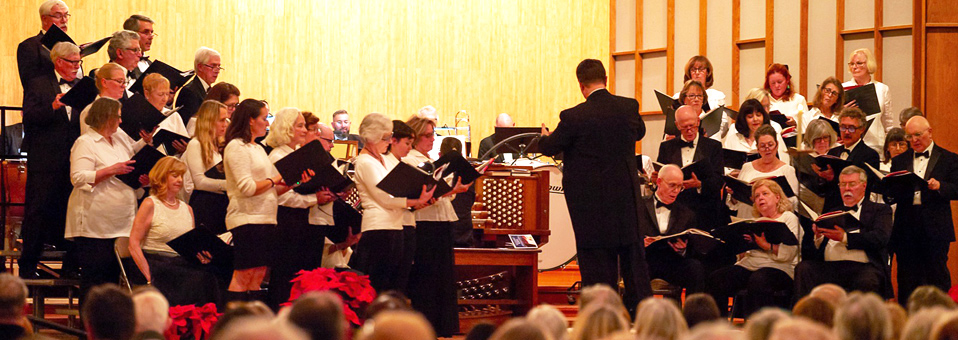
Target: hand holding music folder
[830,220]
[139,114]
[55,35]
[712,122]
[145,159]
[312,157]
[865,96]
[688,170]
[899,184]
[458,166]
[696,240]
[734,233]
[81,94]
[198,240]
[407,181]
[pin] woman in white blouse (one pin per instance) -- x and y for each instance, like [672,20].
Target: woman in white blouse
[778,83]
[161,218]
[298,249]
[208,197]
[751,115]
[380,249]
[699,69]
[862,64]
[765,270]
[156,89]
[767,165]
[101,207]
[432,288]
[252,184]
[828,103]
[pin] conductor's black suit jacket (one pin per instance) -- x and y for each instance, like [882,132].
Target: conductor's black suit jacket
[931,220]
[600,177]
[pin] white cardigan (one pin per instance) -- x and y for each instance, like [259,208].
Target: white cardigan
[246,163]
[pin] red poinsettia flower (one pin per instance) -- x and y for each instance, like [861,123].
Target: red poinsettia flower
[354,290]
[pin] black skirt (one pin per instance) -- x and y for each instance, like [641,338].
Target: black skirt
[298,246]
[432,282]
[184,282]
[379,254]
[252,244]
[209,210]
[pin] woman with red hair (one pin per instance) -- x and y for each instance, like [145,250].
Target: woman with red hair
[778,83]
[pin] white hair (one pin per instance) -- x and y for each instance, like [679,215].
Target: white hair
[374,126]
[121,39]
[63,49]
[47,6]
[203,55]
[281,132]
[551,320]
[152,311]
[428,112]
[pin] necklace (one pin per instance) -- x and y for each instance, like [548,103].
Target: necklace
[174,204]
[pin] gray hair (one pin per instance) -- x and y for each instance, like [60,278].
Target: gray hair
[203,55]
[660,319]
[428,111]
[47,6]
[63,49]
[152,311]
[760,324]
[919,324]
[13,296]
[852,169]
[133,22]
[121,39]
[863,317]
[551,320]
[817,129]
[374,126]
[800,329]
[281,132]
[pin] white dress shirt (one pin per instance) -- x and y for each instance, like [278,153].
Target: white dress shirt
[64,88]
[662,215]
[290,199]
[787,257]
[381,211]
[688,153]
[790,107]
[442,210]
[921,167]
[104,210]
[246,163]
[838,250]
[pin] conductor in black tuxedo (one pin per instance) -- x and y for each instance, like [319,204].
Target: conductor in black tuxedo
[852,126]
[703,189]
[855,258]
[33,59]
[207,64]
[661,214]
[49,136]
[923,226]
[597,139]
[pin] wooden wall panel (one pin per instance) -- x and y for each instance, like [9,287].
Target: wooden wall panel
[485,57]
[787,35]
[896,69]
[652,79]
[625,76]
[896,13]
[941,12]
[752,20]
[821,43]
[686,38]
[859,14]
[624,25]
[654,24]
[752,70]
[719,49]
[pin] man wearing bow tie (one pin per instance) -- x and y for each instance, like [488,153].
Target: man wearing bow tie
[49,135]
[124,50]
[661,214]
[207,64]
[852,126]
[855,258]
[143,26]
[923,226]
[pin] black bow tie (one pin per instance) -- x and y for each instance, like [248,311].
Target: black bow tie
[847,150]
[684,144]
[926,154]
[145,58]
[130,75]
[660,204]
[853,208]
[71,83]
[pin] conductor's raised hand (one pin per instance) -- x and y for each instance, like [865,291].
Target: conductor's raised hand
[545,131]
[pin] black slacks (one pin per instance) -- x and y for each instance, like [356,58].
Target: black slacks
[432,282]
[45,213]
[685,272]
[298,246]
[98,263]
[379,254]
[603,265]
[848,274]
[408,257]
[761,286]
[922,263]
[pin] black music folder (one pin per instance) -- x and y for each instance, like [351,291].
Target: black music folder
[166,138]
[459,166]
[742,191]
[55,35]
[778,117]
[837,163]
[736,159]
[731,113]
[312,156]
[712,122]
[688,170]
[697,240]
[734,233]
[82,94]
[406,181]
[899,184]
[830,220]
[865,97]
[832,123]
[198,240]
[668,106]
[176,77]
[216,172]
[145,159]
[139,114]
[346,219]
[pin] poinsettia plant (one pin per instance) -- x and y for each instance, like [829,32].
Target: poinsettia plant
[354,289]
[191,322]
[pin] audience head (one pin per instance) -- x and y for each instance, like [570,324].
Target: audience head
[156,89]
[699,68]
[66,60]
[761,323]
[259,327]
[898,317]
[520,329]
[929,296]
[598,321]
[751,115]
[143,26]
[289,128]
[248,121]
[716,330]
[800,329]
[851,122]
[700,308]
[830,95]
[388,300]
[124,49]
[601,294]
[778,81]
[104,116]
[863,317]
[687,122]
[54,12]
[397,325]
[831,292]
[760,95]
[907,113]
[551,320]
[669,183]
[815,309]
[766,141]
[504,120]
[660,319]
[591,75]
[108,313]
[819,136]
[862,63]
[769,199]
[207,64]
[482,331]
[320,315]
[918,132]
[111,80]
[13,298]
[919,324]
[376,130]
[851,184]
[225,93]
[341,122]
[425,133]
[895,144]
[945,328]
[693,94]
[152,311]
[238,311]
[166,177]
[428,112]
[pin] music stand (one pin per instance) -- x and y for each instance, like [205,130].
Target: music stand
[521,145]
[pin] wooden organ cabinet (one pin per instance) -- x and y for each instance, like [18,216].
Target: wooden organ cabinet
[495,282]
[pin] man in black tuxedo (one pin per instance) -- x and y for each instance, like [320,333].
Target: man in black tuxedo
[600,176]
[703,189]
[856,258]
[486,144]
[143,26]
[124,50]
[49,136]
[661,214]
[207,65]
[33,60]
[923,226]
[341,125]
[852,126]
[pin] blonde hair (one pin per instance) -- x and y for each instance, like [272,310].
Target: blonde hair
[160,172]
[419,123]
[102,111]
[281,131]
[756,93]
[155,81]
[105,71]
[374,126]
[870,63]
[660,319]
[598,321]
[783,203]
[206,118]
